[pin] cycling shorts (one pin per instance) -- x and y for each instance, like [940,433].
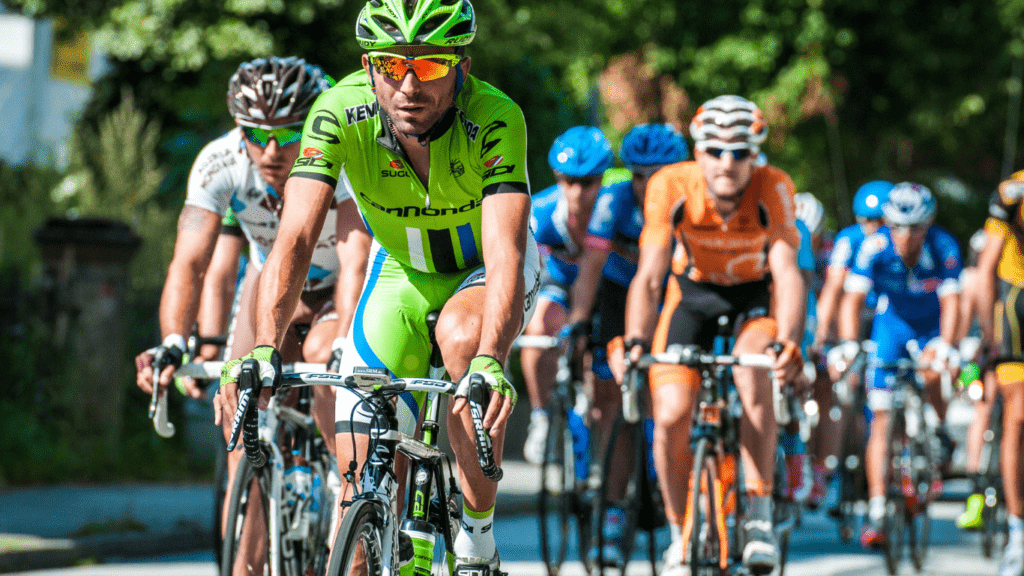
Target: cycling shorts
[891,334]
[554,291]
[1009,313]
[690,316]
[389,327]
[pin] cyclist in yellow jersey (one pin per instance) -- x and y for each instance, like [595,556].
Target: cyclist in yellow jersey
[1001,264]
[437,163]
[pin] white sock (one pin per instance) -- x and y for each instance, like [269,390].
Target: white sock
[475,539]
[676,531]
[1016,525]
[876,507]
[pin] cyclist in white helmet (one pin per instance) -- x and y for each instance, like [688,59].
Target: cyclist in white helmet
[914,267]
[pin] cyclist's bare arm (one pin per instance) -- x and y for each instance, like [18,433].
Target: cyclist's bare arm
[949,315]
[197,235]
[642,299]
[219,290]
[790,306]
[988,263]
[353,250]
[588,279]
[849,315]
[504,227]
[968,306]
[287,266]
[828,303]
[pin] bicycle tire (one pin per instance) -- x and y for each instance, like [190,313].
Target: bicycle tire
[359,539]
[918,521]
[557,483]
[220,490]
[706,541]
[895,501]
[783,509]
[246,478]
[994,512]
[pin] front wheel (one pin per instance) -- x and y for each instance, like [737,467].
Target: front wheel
[898,453]
[359,547]
[557,488]
[246,541]
[708,536]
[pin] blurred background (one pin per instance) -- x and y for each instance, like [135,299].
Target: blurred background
[105,104]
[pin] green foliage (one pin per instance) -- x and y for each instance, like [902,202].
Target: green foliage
[25,197]
[114,173]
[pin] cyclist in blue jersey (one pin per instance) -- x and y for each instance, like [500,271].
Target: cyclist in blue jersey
[914,267]
[563,218]
[605,269]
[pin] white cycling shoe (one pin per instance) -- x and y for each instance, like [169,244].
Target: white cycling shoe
[536,437]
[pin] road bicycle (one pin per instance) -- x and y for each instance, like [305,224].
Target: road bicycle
[567,494]
[716,508]
[371,540]
[911,469]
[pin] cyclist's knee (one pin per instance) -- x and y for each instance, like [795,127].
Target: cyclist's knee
[317,347]
[672,405]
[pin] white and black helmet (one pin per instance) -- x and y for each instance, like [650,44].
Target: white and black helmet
[272,92]
[909,204]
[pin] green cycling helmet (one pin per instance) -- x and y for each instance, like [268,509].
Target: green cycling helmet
[383,24]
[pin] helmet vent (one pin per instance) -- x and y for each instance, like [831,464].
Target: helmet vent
[432,24]
[464,27]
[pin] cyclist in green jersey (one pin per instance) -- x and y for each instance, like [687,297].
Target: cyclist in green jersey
[437,163]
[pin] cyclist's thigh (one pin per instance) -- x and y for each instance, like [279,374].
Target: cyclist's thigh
[890,334]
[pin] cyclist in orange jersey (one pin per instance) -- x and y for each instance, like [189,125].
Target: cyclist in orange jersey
[736,241]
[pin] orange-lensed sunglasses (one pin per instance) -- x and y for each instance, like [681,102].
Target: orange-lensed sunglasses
[427,67]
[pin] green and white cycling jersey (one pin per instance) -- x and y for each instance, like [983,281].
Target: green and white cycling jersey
[478,148]
[224,180]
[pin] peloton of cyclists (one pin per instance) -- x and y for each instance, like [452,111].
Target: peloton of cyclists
[725,225]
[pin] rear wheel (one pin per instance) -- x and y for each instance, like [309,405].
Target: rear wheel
[246,541]
[626,463]
[555,501]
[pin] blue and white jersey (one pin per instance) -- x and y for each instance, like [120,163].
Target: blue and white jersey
[620,223]
[549,217]
[911,293]
[805,261]
[223,176]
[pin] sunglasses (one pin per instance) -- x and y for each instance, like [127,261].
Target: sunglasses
[427,67]
[737,155]
[262,136]
[915,229]
[585,181]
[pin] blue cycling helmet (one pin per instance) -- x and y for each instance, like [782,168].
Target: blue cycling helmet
[581,151]
[909,204]
[653,145]
[868,201]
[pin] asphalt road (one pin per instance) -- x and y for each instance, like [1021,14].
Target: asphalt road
[815,550]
